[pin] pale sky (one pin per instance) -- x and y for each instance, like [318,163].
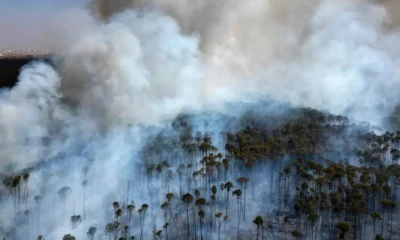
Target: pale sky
[42,25]
[32,5]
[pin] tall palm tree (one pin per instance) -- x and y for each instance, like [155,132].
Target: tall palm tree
[142,213]
[259,222]
[202,215]
[84,184]
[187,199]
[63,193]
[75,220]
[38,200]
[375,217]
[69,237]
[131,209]
[344,227]
[26,192]
[238,194]
[92,232]
[218,215]
[228,186]
[165,207]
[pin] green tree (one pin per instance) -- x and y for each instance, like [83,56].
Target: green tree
[344,227]
[187,199]
[228,186]
[92,232]
[259,222]
[375,217]
[202,215]
[69,237]
[238,194]
[218,215]
[142,214]
[296,233]
[131,210]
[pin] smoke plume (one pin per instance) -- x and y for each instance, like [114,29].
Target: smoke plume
[141,63]
[337,56]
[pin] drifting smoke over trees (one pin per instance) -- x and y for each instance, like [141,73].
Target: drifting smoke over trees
[151,125]
[302,174]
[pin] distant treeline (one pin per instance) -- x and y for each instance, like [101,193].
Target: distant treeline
[10,68]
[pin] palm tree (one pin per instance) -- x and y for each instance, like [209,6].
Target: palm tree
[158,233]
[15,184]
[165,207]
[166,228]
[313,217]
[118,214]
[388,205]
[112,228]
[202,215]
[375,217]
[259,222]
[75,220]
[285,222]
[63,193]
[243,182]
[142,213]
[238,194]
[38,200]
[84,184]
[296,233]
[131,209]
[116,206]
[344,227]
[218,215]
[26,192]
[92,232]
[187,199]
[69,237]
[228,186]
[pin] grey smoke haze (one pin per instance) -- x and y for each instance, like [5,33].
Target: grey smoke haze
[335,55]
[143,66]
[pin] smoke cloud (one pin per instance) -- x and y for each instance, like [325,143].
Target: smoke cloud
[337,56]
[142,63]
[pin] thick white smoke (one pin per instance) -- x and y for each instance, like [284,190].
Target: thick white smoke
[143,66]
[340,56]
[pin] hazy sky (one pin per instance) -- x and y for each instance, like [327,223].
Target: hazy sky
[33,5]
[40,24]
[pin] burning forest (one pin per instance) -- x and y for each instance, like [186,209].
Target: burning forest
[207,121]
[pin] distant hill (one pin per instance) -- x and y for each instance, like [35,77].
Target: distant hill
[11,63]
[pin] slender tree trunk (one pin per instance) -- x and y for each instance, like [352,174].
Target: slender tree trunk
[187,218]
[201,229]
[219,231]
[383,220]
[258,230]
[141,226]
[238,229]
[355,227]
[194,223]
[374,228]
[129,232]
[84,203]
[262,232]
[227,203]
[391,225]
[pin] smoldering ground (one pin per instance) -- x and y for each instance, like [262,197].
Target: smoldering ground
[147,61]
